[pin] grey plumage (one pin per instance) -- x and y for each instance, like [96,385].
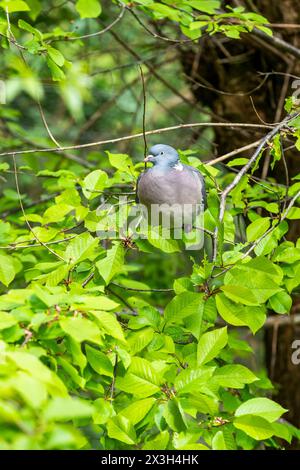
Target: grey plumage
[180,188]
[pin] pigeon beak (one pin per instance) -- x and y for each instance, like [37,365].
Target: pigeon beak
[148,158]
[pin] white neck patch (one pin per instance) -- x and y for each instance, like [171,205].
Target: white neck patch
[178,166]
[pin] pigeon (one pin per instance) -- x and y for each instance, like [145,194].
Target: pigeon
[170,188]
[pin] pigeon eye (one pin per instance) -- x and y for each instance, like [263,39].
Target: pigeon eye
[161,153]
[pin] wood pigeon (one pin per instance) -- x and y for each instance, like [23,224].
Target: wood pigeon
[178,189]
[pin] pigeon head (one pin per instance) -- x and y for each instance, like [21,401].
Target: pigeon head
[163,155]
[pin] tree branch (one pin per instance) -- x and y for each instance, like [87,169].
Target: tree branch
[242,172]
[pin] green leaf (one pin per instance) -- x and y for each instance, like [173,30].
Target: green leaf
[162,241]
[56,72]
[207,6]
[137,410]
[238,162]
[121,162]
[78,358]
[259,275]
[7,269]
[183,305]
[94,183]
[65,409]
[263,407]
[210,344]
[80,248]
[80,329]
[240,294]
[289,255]
[159,442]
[14,5]
[121,429]
[88,8]
[255,427]
[140,380]
[281,302]
[112,264]
[33,391]
[138,340]
[174,416]
[200,402]
[257,228]
[56,213]
[109,324]
[191,380]
[35,368]
[218,441]
[99,361]
[164,11]
[71,371]
[135,385]
[56,56]
[56,276]
[293,213]
[27,27]
[233,376]
[89,302]
[7,320]
[240,315]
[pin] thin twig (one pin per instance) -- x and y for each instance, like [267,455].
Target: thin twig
[155,35]
[278,43]
[142,290]
[270,230]
[24,215]
[241,173]
[121,299]
[232,153]
[14,246]
[98,33]
[88,279]
[112,386]
[140,134]
[144,113]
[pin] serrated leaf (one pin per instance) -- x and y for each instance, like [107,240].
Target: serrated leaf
[240,315]
[183,305]
[210,344]
[190,380]
[233,376]
[255,427]
[81,329]
[121,428]
[174,415]
[109,324]
[137,410]
[65,409]
[112,264]
[263,407]
[99,361]
[80,248]
[138,340]
[240,294]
